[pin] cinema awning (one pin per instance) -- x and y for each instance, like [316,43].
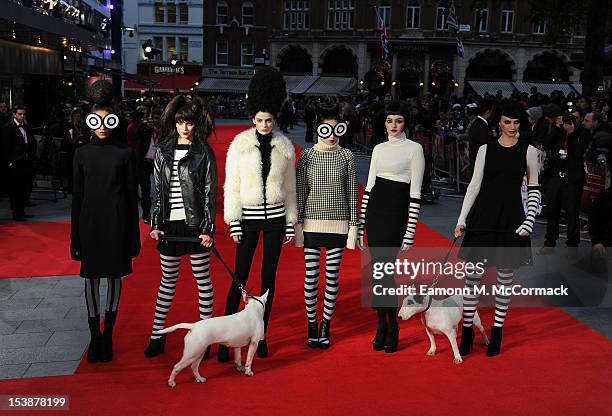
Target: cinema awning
[162,83]
[302,86]
[491,87]
[332,86]
[544,87]
[224,85]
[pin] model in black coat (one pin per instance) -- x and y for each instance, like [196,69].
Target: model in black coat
[104,231]
[19,155]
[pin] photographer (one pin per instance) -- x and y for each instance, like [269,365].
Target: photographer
[563,179]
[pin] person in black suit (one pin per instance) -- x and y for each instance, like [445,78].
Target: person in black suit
[480,131]
[19,149]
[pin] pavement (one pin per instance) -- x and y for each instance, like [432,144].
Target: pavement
[43,325]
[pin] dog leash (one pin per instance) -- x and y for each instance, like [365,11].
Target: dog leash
[214,250]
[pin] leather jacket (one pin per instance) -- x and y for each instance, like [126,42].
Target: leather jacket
[198,178]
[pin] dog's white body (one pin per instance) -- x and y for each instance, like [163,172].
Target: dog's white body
[442,317]
[235,331]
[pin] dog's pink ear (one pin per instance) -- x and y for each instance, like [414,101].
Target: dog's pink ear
[245,298]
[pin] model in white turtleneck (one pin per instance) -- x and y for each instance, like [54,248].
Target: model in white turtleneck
[398,159]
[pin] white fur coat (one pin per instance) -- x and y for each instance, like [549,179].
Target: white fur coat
[243,177]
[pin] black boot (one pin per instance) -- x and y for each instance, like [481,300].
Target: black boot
[313,335]
[378,343]
[324,335]
[494,347]
[392,338]
[467,340]
[222,354]
[93,352]
[262,349]
[156,347]
[106,351]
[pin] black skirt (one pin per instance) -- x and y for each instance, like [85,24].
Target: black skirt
[180,229]
[327,240]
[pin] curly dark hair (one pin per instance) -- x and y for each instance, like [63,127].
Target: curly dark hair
[267,91]
[101,94]
[194,111]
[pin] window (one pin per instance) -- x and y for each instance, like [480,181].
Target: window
[222,13]
[385,14]
[340,14]
[159,12]
[247,14]
[158,42]
[222,52]
[296,14]
[184,13]
[441,18]
[184,42]
[413,17]
[507,21]
[170,47]
[246,54]
[482,20]
[171,12]
[539,27]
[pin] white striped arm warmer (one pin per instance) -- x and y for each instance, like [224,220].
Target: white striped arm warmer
[235,229]
[289,230]
[534,197]
[362,213]
[413,217]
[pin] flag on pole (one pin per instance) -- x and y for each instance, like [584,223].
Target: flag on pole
[453,25]
[384,38]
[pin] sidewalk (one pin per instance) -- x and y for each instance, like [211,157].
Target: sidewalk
[43,330]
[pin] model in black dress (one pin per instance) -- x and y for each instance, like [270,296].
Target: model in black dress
[496,226]
[104,233]
[186,188]
[390,210]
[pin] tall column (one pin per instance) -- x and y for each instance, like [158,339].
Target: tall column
[316,51]
[426,74]
[394,76]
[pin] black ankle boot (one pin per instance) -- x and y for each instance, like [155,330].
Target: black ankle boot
[93,352]
[106,350]
[324,335]
[494,347]
[222,353]
[378,343]
[262,349]
[467,340]
[156,347]
[392,338]
[313,335]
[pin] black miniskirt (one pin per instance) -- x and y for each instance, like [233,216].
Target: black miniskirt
[180,229]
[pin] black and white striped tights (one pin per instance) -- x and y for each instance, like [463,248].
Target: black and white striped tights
[502,302]
[333,257]
[200,266]
[92,296]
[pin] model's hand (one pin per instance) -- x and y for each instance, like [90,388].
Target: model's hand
[523,233]
[459,230]
[599,249]
[207,240]
[237,239]
[361,243]
[288,239]
[156,234]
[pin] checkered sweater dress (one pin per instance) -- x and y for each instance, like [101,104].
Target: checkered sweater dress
[327,195]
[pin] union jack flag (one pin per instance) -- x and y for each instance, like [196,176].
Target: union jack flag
[384,38]
[453,25]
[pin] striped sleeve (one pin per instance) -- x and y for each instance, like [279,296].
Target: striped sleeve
[362,213]
[414,210]
[534,197]
[289,230]
[235,229]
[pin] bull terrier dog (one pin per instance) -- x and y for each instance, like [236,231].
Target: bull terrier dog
[234,331]
[439,316]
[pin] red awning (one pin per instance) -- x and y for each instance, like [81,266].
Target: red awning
[162,82]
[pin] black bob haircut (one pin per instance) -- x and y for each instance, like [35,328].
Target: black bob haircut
[396,108]
[511,109]
[267,91]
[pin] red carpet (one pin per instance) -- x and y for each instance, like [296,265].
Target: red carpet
[551,364]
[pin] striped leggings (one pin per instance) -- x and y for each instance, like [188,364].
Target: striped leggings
[200,265]
[92,295]
[333,257]
[502,302]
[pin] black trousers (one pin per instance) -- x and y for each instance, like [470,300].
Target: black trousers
[144,181]
[273,233]
[560,193]
[20,181]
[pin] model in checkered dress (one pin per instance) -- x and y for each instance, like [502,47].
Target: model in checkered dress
[327,217]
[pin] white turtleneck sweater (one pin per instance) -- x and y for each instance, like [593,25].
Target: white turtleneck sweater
[398,159]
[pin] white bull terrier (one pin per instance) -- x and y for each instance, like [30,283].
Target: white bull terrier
[235,331]
[440,316]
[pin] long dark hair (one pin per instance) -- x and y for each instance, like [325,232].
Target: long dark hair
[196,112]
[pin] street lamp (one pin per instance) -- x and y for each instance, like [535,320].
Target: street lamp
[150,52]
[175,62]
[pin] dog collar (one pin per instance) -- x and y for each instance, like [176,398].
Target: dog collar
[428,304]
